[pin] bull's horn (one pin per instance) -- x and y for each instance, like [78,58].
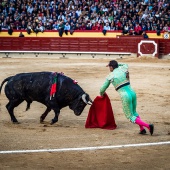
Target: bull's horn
[90,102]
[84,98]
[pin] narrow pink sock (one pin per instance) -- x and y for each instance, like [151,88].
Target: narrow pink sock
[141,127]
[141,123]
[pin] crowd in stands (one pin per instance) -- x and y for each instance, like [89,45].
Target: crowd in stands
[129,16]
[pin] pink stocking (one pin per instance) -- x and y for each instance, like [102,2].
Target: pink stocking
[141,123]
[141,127]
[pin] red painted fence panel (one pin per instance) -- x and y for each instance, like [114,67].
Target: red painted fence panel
[119,44]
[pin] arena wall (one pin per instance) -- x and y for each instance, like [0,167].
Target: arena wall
[117,44]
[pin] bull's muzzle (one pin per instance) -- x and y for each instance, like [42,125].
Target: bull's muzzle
[77,113]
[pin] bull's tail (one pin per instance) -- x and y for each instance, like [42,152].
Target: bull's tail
[5,80]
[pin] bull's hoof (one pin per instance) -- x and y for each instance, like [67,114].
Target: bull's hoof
[51,123]
[15,122]
[41,120]
[27,109]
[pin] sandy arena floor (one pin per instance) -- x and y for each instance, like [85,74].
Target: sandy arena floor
[149,77]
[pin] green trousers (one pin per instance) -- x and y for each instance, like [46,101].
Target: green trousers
[129,102]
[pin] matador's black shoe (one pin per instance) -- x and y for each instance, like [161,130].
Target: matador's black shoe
[151,126]
[142,132]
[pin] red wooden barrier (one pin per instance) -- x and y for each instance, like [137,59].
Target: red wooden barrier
[123,44]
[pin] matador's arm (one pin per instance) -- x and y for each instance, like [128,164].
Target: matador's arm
[104,87]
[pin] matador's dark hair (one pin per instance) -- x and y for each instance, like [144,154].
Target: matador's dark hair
[113,63]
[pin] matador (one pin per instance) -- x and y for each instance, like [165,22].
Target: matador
[119,78]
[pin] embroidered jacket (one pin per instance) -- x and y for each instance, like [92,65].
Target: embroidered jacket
[117,77]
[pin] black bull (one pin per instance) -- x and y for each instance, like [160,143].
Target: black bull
[36,86]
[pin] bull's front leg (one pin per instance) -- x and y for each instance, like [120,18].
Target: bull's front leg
[54,106]
[55,119]
[43,116]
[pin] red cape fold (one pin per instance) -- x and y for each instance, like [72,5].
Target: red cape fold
[101,114]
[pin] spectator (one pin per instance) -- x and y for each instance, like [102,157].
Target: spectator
[74,15]
[17,26]
[94,26]
[23,25]
[74,21]
[83,26]
[77,27]
[30,8]
[72,28]
[43,18]
[34,27]
[126,29]
[110,17]
[10,29]
[66,28]
[149,28]
[40,28]
[71,5]
[144,27]
[160,27]
[55,25]
[88,27]
[106,27]
[118,23]
[165,28]
[78,12]
[145,36]
[61,16]
[138,29]
[61,28]
[93,8]
[169,28]
[112,26]
[131,29]
[29,28]
[48,26]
